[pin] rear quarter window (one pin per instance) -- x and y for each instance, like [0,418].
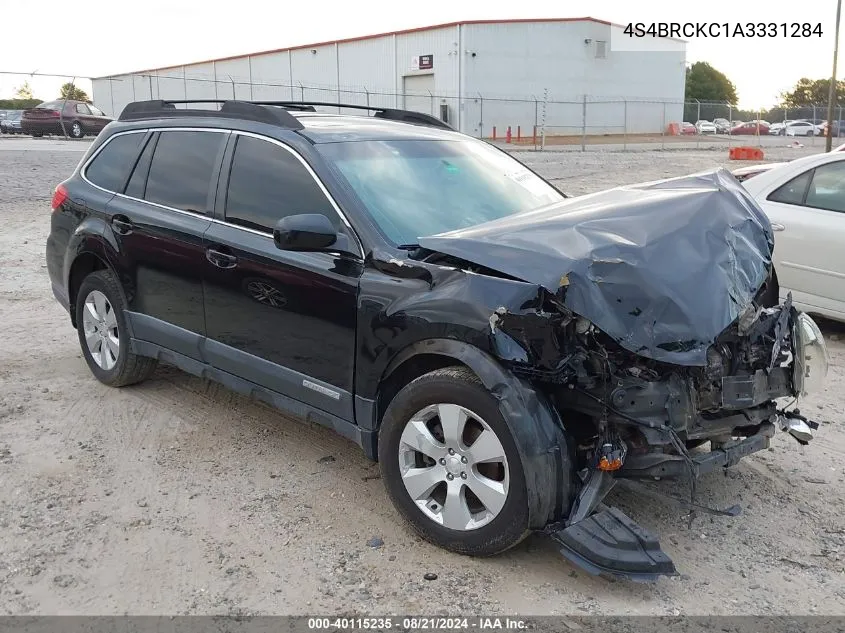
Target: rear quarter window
[111,166]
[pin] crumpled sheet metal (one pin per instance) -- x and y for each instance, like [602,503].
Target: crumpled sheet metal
[662,267]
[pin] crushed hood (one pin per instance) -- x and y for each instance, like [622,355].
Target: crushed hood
[662,267]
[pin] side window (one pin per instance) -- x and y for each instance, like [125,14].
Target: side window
[96,111]
[110,168]
[268,183]
[138,179]
[81,108]
[182,169]
[793,191]
[827,189]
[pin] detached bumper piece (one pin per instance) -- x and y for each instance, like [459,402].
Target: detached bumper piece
[609,542]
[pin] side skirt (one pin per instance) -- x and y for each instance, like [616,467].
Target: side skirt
[364,439]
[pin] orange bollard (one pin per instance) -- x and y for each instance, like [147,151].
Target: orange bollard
[508,135]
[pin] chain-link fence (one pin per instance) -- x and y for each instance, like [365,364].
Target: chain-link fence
[549,119]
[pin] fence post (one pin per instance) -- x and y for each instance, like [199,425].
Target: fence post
[663,129]
[814,123]
[697,119]
[62,113]
[543,128]
[624,125]
[430,103]
[730,123]
[234,96]
[480,116]
[536,121]
[584,124]
[301,91]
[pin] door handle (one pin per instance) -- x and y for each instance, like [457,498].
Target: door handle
[777,226]
[121,225]
[221,259]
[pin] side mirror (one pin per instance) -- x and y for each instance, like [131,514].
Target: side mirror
[306,232]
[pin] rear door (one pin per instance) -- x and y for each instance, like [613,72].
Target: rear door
[284,320]
[98,118]
[159,223]
[808,215]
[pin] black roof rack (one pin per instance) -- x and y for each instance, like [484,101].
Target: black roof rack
[259,111]
[251,111]
[393,114]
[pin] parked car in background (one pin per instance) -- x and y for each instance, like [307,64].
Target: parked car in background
[805,202]
[723,126]
[778,128]
[11,124]
[750,128]
[744,173]
[687,128]
[705,127]
[838,128]
[801,128]
[79,119]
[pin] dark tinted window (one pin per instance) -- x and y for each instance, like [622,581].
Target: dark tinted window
[793,191]
[267,183]
[182,169]
[138,180]
[111,166]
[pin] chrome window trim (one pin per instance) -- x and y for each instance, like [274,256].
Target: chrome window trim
[208,217]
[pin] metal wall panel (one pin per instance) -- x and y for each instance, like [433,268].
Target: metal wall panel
[233,78]
[558,62]
[314,73]
[367,69]
[271,76]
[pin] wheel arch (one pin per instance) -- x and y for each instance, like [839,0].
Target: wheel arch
[86,261]
[534,423]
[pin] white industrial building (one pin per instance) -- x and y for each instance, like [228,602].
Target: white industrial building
[568,76]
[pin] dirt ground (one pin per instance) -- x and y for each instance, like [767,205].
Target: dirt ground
[179,497]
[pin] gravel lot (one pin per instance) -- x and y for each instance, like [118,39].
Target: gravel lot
[180,497]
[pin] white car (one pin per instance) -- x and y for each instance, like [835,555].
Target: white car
[705,127]
[778,128]
[801,128]
[805,202]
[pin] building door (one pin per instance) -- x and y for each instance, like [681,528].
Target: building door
[417,90]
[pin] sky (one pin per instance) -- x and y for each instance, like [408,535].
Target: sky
[122,36]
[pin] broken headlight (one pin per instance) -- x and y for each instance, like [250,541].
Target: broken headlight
[811,358]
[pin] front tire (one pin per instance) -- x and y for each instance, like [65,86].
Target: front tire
[76,130]
[103,333]
[451,465]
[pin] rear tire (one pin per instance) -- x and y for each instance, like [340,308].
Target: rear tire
[490,525]
[103,333]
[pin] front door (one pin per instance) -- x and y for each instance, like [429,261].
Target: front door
[283,320]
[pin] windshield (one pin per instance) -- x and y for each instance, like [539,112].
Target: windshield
[424,187]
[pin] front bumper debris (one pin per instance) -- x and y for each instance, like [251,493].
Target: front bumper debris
[650,465]
[611,543]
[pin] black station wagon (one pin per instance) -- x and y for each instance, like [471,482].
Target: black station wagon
[504,351]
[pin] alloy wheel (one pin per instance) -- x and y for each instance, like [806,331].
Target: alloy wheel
[99,323]
[453,466]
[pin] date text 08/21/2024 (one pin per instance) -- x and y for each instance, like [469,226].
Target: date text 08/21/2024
[688,30]
[415,623]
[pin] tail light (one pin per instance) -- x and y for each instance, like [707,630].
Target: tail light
[59,197]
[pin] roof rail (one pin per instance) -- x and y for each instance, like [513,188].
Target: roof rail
[393,114]
[231,109]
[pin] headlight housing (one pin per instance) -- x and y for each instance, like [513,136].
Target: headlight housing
[811,357]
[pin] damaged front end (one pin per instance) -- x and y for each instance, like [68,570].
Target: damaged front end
[656,329]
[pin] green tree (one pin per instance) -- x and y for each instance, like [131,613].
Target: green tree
[69,91]
[24,91]
[809,91]
[705,83]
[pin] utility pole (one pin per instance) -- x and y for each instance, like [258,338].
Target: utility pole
[831,95]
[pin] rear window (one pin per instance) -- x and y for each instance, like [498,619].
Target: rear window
[112,165]
[50,105]
[183,168]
